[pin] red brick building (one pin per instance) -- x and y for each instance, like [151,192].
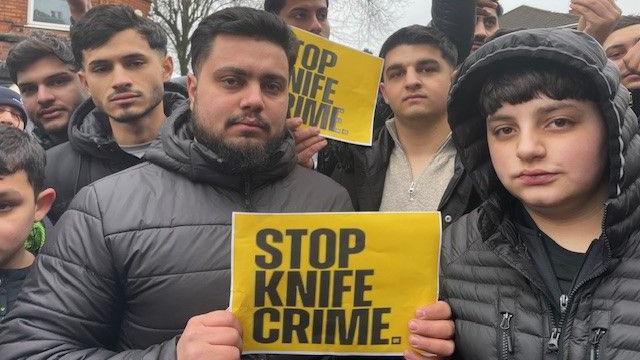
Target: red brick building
[19,17]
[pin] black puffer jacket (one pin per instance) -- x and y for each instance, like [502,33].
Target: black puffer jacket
[363,171]
[501,307]
[140,252]
[91,152]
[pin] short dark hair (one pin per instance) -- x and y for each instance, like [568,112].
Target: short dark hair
[275,6]
[626,21]
[241,21]
[39,45]
[102,22]
[19,150]
[523,81]
[421,35]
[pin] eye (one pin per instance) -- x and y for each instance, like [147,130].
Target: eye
[560,123]
[231,82]
[615,55]
[322,15]
[503,131]
[299,15]
[59,81]
[5,207]
[274,87]
[28,90]
[136,63]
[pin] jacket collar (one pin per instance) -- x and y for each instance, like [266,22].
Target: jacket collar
[177,151]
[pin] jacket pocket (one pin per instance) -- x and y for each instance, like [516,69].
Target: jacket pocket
[594,340]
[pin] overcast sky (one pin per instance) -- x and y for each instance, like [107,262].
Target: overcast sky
[419,11]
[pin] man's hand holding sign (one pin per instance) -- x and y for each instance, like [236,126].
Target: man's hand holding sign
[302,286]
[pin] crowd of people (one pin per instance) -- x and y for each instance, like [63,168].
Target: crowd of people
[526,141]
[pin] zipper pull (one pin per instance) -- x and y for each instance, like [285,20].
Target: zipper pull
[505,325]
[564,303]
[595,342]
[412,190]
[552,345]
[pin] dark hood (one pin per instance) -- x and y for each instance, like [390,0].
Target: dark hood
[177,151]
[90,132]
[583,54]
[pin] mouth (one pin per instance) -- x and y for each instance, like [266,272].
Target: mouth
[50,113]
[414,97]
[250,123]
[123,98]
[631,78]
[536,177]
[476,45]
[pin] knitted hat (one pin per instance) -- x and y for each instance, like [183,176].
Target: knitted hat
[11,98]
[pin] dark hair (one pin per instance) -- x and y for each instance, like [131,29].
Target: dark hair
[39,45]
[275,6]
[19,150]
[522,81]
[626,21]
[421,35]
[499,9]
[241,21]
[102,22]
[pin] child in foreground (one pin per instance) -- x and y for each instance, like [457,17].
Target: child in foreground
[23,203]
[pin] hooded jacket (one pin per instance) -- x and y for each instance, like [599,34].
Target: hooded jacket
[91,152]
[501,305]
[142,251]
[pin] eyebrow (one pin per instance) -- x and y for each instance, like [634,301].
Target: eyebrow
[231,69]
[421,62]
[483,12]
[541,111]
[61,73]
[619,45]
[125,57]
[8,193]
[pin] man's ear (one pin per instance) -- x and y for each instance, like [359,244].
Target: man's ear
[167,68]
[43,203]
[382,92]
[192,87]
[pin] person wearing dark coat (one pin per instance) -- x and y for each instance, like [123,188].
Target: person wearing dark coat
[125,64]
[547,266]
[139,266]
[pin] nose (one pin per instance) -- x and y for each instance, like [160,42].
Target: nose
[316,25]
[480,30]
[44,96]
[412,79]
[252,100]
[121,78]
[530,145]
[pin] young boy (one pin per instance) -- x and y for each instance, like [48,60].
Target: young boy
[12,110]
[23,202]
[549,266]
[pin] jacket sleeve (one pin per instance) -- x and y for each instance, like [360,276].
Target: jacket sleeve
[456,19]
[71,304]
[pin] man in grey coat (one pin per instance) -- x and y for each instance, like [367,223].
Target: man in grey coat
[139,265]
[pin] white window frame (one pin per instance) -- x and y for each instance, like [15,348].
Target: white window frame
[42,25]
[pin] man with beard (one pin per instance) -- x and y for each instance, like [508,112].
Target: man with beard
[44,69]
[622,47]
[124,62]
[139,266]
[487,22]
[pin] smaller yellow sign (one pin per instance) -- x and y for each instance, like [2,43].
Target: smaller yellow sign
[332,283]
[334,88]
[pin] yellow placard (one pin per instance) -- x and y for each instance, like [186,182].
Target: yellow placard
[334,88]
[332,283]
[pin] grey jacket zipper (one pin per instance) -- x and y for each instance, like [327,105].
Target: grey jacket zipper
[594,340]
[507,342]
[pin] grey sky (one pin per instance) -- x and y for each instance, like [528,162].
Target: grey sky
[419,11]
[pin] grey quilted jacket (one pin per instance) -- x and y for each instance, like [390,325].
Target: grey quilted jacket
[501,307]
[140,252]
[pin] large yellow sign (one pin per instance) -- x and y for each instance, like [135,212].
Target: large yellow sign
[332,283]
[334,88]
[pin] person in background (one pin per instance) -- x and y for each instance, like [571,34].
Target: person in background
[622,47]
[45,71]
[12,110]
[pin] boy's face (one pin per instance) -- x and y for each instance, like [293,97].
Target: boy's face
[416,81]
[549,154]
[19,209]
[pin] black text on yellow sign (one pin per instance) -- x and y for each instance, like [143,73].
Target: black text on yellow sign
[334,88]
[316,289]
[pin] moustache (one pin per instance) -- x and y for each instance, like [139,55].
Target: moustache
[253,120]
